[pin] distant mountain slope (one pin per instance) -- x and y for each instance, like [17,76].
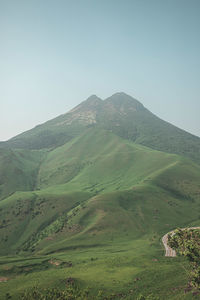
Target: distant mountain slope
[129,119]
[120,114]
[60,130]
[18,170]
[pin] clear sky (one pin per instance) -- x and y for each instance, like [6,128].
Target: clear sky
[56,53]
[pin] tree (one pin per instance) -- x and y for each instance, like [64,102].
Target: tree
[186,242]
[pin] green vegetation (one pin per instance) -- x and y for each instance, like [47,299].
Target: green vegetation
[94,206]
[72,292]
[187,243]
[18,170]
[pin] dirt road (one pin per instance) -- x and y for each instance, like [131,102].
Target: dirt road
[169,251]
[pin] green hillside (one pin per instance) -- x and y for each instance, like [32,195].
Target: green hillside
[97,162]
[18,170]
[101,203]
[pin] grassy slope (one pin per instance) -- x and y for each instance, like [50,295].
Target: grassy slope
[119,241]
[99,161]
[96,162]
[111,202]
[18,170]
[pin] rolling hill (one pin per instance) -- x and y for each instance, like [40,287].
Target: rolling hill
[92,191]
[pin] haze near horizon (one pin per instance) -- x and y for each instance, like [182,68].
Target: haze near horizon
[55,54]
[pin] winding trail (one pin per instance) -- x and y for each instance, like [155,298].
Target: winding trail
[168,250]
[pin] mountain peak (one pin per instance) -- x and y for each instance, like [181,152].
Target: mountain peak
[120,94]
[93,98]
[121,114]
[91,102]
[122,99]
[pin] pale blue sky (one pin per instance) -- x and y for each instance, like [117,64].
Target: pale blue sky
[56,53]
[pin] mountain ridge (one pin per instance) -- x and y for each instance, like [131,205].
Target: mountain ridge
[120,113]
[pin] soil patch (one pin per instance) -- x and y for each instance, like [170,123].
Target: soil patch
[4,279]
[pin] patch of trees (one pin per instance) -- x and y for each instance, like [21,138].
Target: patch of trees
[186,242]
[73,292]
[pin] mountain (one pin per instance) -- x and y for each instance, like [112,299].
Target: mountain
[88,195]
[122,115]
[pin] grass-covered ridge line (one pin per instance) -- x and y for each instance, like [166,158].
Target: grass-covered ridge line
[100,161]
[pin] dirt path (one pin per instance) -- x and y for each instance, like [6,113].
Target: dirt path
[169,251]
